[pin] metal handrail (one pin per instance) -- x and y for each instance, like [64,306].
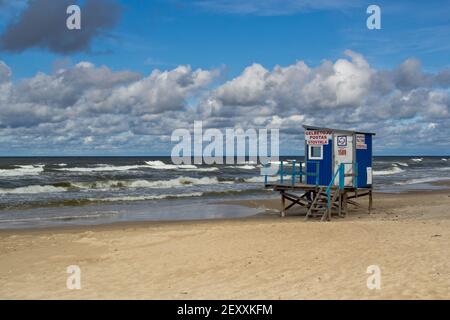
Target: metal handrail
[341,171]
[341,183]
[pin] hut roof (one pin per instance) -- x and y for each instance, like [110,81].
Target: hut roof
[308,127]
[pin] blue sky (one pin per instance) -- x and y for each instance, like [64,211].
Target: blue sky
[157,34]
[224,38]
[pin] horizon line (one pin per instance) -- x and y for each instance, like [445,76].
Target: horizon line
[168,156]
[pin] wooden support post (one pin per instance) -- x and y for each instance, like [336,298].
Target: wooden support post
[370,201]
[325,215]
[293,173]
[340,203]
[283,205]
[345,203]
[301,172]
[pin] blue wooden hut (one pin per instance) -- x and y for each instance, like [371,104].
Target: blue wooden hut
[337,171]
[327,149]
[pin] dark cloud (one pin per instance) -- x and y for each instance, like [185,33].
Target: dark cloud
[443,78]
[43,24]
[409,75]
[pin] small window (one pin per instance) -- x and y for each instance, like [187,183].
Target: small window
[315,152]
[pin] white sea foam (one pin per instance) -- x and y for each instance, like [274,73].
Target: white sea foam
[209,169]
[403,164]
[178,182]
[421,180]
[244,167]
[99,185]
[22,170]
[73,217]
[393,170]
[116,184]
[32,189]
[159,165]
[102,167]
[285,163]
[108,185]
[417,159]
[187,166]
[172,183]
[259,179]
[288,164]
[149,197]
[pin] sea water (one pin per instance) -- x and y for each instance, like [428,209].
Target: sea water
[91,190]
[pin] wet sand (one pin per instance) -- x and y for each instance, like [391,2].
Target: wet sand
[264,257]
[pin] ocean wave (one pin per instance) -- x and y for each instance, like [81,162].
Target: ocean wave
[394,170]
[32,189]
[22,170]
[102,167]
[68,217]
[421,180]
[243,167]
[261,179]
[444,159]
[121,198]
[159,165]
[208,169]
[149,197]
[125,198]
[177,182]
[417,159]
[285,163]
[115,184]
[135,184]
[403,164]
[171,196]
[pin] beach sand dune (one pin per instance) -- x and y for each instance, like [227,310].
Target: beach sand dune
[255,258]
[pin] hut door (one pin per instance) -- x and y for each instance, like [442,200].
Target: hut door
[343,153]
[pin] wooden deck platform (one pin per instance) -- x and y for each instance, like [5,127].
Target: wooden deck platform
[316,201]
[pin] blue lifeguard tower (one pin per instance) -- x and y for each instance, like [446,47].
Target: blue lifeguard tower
[337,169]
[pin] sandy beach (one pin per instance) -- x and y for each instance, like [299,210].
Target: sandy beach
[265,257]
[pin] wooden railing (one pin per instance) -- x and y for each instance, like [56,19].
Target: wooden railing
[294,173]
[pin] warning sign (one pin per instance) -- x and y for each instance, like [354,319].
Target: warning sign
[317,137]
[361,141]
[342,141]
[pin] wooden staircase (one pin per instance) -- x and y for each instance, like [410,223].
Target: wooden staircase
[323,201]
[321,208]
